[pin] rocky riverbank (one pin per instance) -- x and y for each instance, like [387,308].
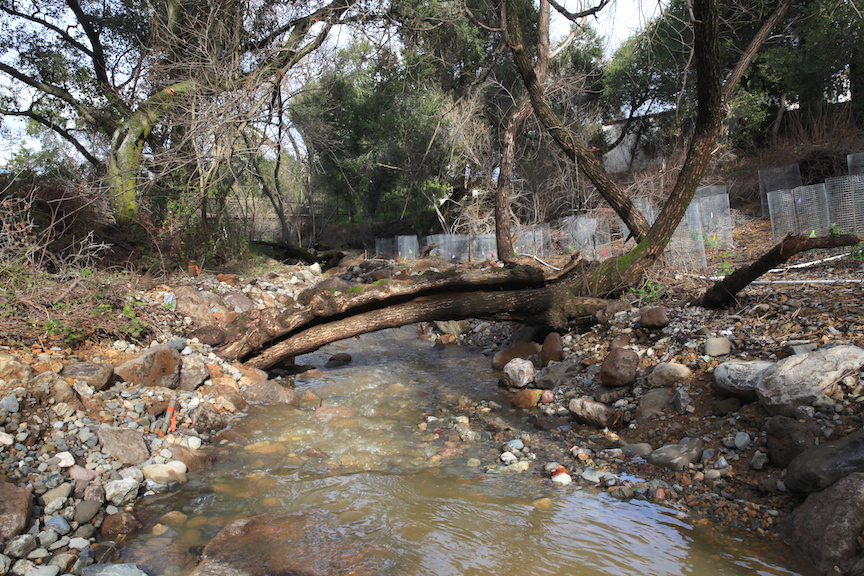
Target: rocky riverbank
[647,404]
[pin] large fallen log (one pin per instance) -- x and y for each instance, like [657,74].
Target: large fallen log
[724,292]
[257,329]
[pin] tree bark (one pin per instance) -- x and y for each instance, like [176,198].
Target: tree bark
[724,292]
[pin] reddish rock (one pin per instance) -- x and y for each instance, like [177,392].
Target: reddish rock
[16,505]
[119,524]
[271,392]
[552,350]
[527,398]
[619,367]
[227,398]
[210,335]
[312,374]
[12,368]
[524,350]
[230,279]
[309,400]
[157,366]
[238,301]
[252,374]
[225,317]
[654,317]
[195,460]
[95,374]
[308,543]
[191,303]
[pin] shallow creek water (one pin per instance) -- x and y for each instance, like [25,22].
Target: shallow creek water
[363,463]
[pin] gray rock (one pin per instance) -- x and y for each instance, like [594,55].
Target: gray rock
[16,504]
[120,492]
[20,546]
[742,440]
[43,571]
[677,456]
[738,378]
[127,446]
[758,461]
[518,373]
[157,366]
[640,449]
[787,438]
[799,380]
[610,395]
[113,570]
[551,376]
[58,524]
[271,392]
[587,411]
[5,564]
[668,374]
[820,466]
[92,373]
[193,372]
[653,403]
[681,400]
[826,526]
[86,510]
[717,346]
[619,367]
[9,404]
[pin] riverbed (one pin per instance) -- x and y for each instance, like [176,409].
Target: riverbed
[381,468]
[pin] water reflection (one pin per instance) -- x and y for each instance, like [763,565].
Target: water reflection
[365,469]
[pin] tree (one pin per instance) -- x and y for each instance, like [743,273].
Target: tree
[111,71]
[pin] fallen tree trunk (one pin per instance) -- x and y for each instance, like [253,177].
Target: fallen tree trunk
[553,306]
[723,293]
[256,329]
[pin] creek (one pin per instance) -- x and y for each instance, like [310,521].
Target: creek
[414,501]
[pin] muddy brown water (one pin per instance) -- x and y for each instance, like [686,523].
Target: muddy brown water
[375,482]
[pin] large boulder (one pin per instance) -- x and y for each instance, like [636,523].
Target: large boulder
[787,438]
[126,445]
[271,392]
[12,368]
[307,543]
[191,303]
[826,527]
[669,374]
[95,374]
[738,378]
[16,504]
[619,367]
[820,466]
[157,366]
[799,380]
[206,418]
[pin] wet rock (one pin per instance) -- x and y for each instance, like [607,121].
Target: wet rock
[271,392]
[94,374]
[174,471]
[193,372]
[653,403]
[668,374]
[820,466]
[717,346]
[190,302]
[306,543]
[677,456]
[826,527]
[552,349]
[518,373]
[654,317]
[527,398]
[126,445]
[523,350]
[619,367]
[12,368]
[800,380]
[453,327]
[591,413]
[195,460]
[738,378]
[787,438]
[338,359]
[123,491]
[16,504]
[157,366]
[206,418]
[119,524]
